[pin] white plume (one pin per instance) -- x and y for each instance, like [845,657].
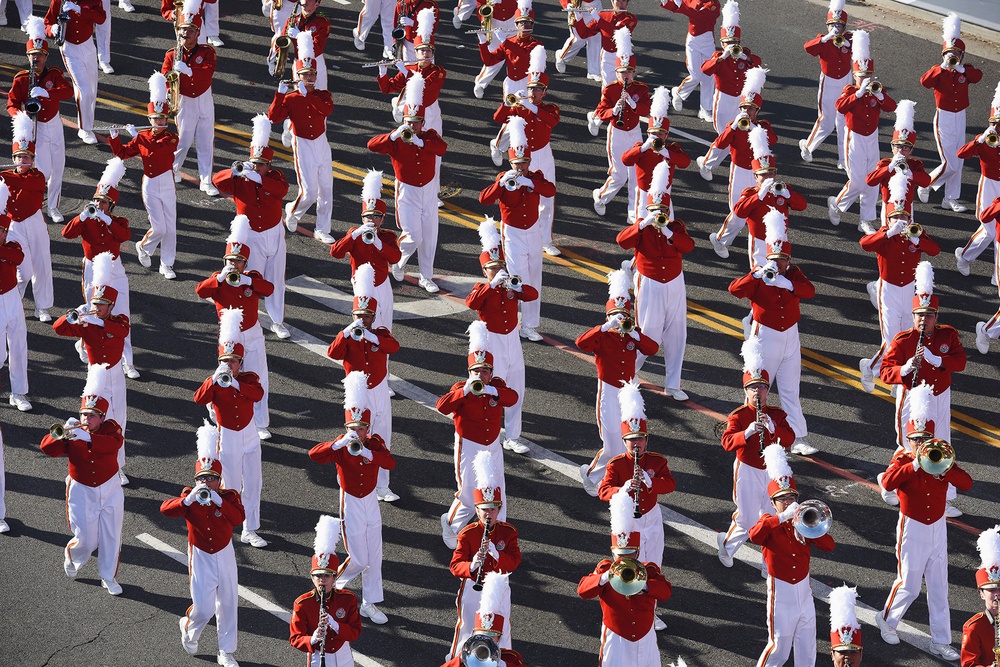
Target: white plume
[207,439]
[623,44]
[261,131]
[35,27]
[157,88]
[479,337]
[776,462]
[775,226]
[486,474]
[524,7]
[842,613]
[191,7]
[489,235]
[102,267]
[899,185]
[920,404]
[680,663]
[995,104]
[371,187]
[356,391]
[413,95]
[904,115]
[758,142]
[860,47]
[239,230]
[925,278]
[304,48]
[988,545]
[4,195]
[619,282]
[97,377]
[836,5]
[23,129]
[951,29]
[364,280]
[622,512]
[230,325]
[425,24]
[753,355]
[327,535]
[113,172]
[754,82]
[630,401]
[661,103]
[536,60]
[496,589]
[516,129]
[731,14]
[661,179]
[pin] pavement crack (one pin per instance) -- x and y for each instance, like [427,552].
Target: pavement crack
[84,643]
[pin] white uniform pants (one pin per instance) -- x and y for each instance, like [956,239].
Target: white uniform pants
[381,425]
[210,16]
[95,518]
[986,235]
[103,32]
[117,404]
[3,483]
[739,179]
[650,525]
[949,135]
[214,592]
[574,43]
[342,658]
[783,362]
[752,501]
[314,174]
[383,315]
[523,250]
[608,62]
[463,508]
[468,604]
[541,160]
[609,420]
[33,235]
[661,313]
[81,65]
[417,215]
[939,412]
[239,453]
[196,125]
[828,118]
[120,282]
[268,255]
[619,175]
[894,315]
[255,361]
[860,158]
[362,533]
[50,157]
[616,651]
[488,73]
[791,624]
[725,108]
[23,9]
[508,364]
[921,554]
[698,49]
[377,10]
[159,196]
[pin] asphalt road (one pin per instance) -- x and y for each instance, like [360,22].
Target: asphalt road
[716,615]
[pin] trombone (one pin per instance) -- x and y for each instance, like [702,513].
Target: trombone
[812,519]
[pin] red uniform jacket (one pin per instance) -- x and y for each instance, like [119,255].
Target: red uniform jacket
[834,61]
[202,61]
[881,174]
[738,143]
[863,113]
[787,558]
[518,208]
[504,9]
[628,617]
[319,26]
[992,212]
[943,341]
[210,528]
[497,306]
[52,80]
[730,73]
[951,87]
[515,51]
[612,93]
[503,536]
[978,641]
[11,257]
[434,76]
[233,409]
[620,470]
[897,256]
[538,126]
[774,307]
[341,606]
[615,353]
[367,253]
[477,418]
[90,463]
[98,237]
[365,356]
[605,25]
[261,203]
[356,475]
[657,257]
[308,113]
[80,27]
[410,9]
[245,297]
[751,207]
[989,158]
[156,150]
[26,193]
[645,162]
[413,165]
[701,14]
[749,452]
[922,496]
[104,344]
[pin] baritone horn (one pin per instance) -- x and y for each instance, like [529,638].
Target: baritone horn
[627,576]
[281,45]
[936,457]
[477,387]
[812,519]
[913,229]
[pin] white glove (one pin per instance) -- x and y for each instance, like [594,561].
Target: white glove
[467,389]
[863,88]
[316,637]
[828,36]
[751,431]
[344,439]
[770,424]
[736,121]
[594,14]
[85,215]
[383,71]
[358,231]
[530,106]
[944,63]
[366,454]
[907,367]
[897,160]
[130,128]
[499,278]
[282,87]
[727,52]
[303,91]
[647,480]
[982,137]
[618,108]
[960,68]
[398,131]
[417,141]
[92,319]
[788,513]
[915,240]
[490,390]
[293,32]
[879,96]
[492,550]
[767,268]
[245,279]
[182,67]
[192,495]
[71,423]
[615,320]
[371,337]
[104,217]
[605,577]
[252,175]
[629,101]
[633,334]
[783,282]
[647,144]
[333,625]
[402,68]
[406,21]
[483,37]
[647,221]
[895,228]
[38,91]
[526,182]
[931,358]
[377,242]
[764,188]
[477,562]
[72,7]
[352,326]
[666,231]
[216,498]
[80,434]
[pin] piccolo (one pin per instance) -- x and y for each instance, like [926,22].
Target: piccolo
[120,127]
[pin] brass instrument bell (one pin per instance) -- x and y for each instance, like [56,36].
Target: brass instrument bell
[204,495]
[59,432]
[358,333]
[913,229]
[743,123]
[812,519]
[936,457]
[661,219]
[627,325]
[736,50]
[480,650]
[511,99]
[477,387]
[486,16]
[73,316]
[406,134]
[233,278]
[992,139]
[354,447]
[368,236]
[659,144]
[225,379]
[627,576]
[839,41]
[875,87]
[514,282]
[91,209]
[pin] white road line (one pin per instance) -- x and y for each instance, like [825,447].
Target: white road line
[408,309]
[675,520]
[682,133]
[245,593]
[342,2]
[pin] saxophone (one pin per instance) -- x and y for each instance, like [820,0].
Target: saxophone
[996,641]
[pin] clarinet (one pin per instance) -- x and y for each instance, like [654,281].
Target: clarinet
[996,641]
[636,483]
[483,546]
[760,420]
[619,117]
[324,625]
[918,356]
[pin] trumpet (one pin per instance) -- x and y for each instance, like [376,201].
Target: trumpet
[778,187]
[511,99]
[743,123]
[659,144]
[875,87]
[936,457]
[225,379]
[358,333]
[406,134]
[368,236]
[627,576]
[233,277]
[736,51]
[992,139]
[239,168]
[951,60]
[627,326]
[477,387]
[812,519]
[204,495]
[514,282]
[660,220]
[913,229]
[73,316]
[770,273]
[91,209]
[510,183]
[480,650]
[839,41]
[354,447]
[60,432]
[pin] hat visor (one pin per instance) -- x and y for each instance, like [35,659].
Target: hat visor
[633,436]
[322,570]
[924,309]
[784,492]
[490,504]
[229,357]
[91,411]
[754,381]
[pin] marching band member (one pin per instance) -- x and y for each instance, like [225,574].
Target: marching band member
[950,82]
[360,457]
[370,244]
[659,244]
[258,191]
[606,24]
[929,352]
[845,630]
[95,502]
[834,52]
[23,12]
[986,147]
[236,286]
[501,23]
[405,15]
[102,231]
[103,335]
[195,117]
[433,75]
[575,43]
[13,331]
[644,156]
[861,103]
[791,617]
[919,430]
[307,107]
[628,636]
[985,331]
[376,11]
[921,547]
[211,513]
[519,192]
[477,416]
[621,109]
[79,54]
[325,620]
[309,20]
[699,45]
[898,250]
[230,393]
[414,151]
[774,291]
[50,88]
[515,51]
[615,347]
[362,346]
[490,627]
[750,429]
[979,634]
[27,227]
[486,553]
[737,136]
[904,138]
[495,301]
[156,147]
